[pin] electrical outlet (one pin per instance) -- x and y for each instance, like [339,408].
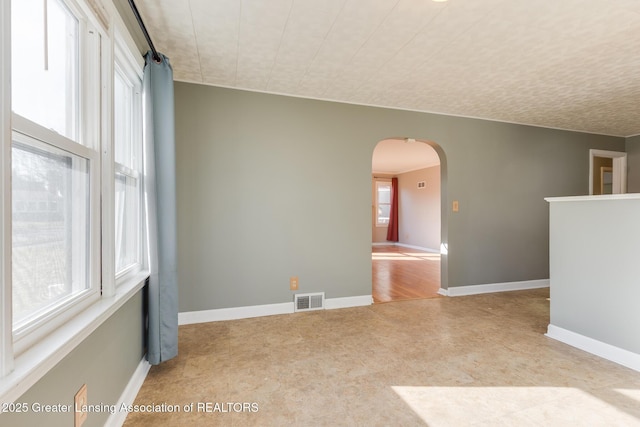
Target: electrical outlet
[293,283]
[80,406]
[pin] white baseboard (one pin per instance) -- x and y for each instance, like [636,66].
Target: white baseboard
[129,394]
[233,313]
[444,292]
[403,245]
[420,248]
[606,351]
[458,291]
[346,302]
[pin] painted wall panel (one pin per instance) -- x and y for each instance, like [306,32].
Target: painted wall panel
[105,361]
[272,186]
[594,270]
[419,208]
[633,164]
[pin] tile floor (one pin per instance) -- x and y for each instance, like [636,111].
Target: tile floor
[478,360]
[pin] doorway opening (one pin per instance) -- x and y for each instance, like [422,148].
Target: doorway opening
[607,172]
[407,227]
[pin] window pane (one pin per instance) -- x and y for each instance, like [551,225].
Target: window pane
[383,214]
[127,155]
[384,193]
[127,222]
[44,64]
[50,191]
[123,121]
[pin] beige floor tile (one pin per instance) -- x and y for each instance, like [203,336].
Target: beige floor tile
[479,360]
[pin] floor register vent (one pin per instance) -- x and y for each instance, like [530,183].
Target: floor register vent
[308,302]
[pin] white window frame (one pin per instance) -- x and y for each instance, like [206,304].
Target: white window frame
[85,147]
[23,366]
[378,185]
[130,68]
[40,138]
[6,334]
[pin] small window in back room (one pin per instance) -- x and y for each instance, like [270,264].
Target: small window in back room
[383,203]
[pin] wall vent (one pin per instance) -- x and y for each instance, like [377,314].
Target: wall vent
[308,302]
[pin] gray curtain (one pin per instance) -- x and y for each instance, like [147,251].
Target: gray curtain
[160,202]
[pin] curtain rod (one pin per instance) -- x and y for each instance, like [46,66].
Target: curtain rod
[156,57]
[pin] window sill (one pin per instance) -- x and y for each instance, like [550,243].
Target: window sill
[34,363]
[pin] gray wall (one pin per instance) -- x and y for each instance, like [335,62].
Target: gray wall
[271,187]
[419,208]
[633,164]
[105,361]
[594,270]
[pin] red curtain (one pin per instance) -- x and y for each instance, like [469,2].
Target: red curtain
[392,231]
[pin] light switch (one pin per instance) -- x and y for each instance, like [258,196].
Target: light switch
[455,206]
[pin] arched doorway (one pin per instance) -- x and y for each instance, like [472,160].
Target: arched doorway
[408,264]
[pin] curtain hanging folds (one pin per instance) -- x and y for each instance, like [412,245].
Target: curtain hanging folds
[160,205]
[392,230]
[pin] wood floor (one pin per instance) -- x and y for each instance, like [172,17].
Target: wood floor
[403,274]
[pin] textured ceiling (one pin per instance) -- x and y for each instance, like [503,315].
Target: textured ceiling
[568,64]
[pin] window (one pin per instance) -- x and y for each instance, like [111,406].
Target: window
[51,235]
[70,157]
[45,65]
[383,203]
[128,165]
[54,168]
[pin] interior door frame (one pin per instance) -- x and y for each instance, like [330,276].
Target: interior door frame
[619,169]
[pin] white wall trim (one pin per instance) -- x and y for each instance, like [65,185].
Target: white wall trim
[443,292]
[420,248]
[457,291]
[619,169]
[346,302]
[606,351]
[403,245]
[596,198]
[129,394]
[233,313]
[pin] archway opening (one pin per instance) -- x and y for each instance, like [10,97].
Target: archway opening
[409,263]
